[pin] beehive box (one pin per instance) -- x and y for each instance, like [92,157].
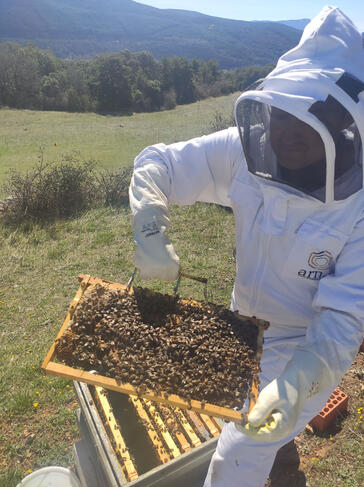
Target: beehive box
[126,440]
[188,354]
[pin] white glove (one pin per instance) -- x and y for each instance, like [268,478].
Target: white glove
[154,256]
[332,342]
[280,403]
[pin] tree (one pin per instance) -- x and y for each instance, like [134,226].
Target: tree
[182,79]
[113,88]
[150,67]
[46,61]
[147,95]
[116,83]
[19,77]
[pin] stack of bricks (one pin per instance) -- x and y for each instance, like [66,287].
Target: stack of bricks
[336,404]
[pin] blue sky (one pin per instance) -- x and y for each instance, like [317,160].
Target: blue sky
[264,9]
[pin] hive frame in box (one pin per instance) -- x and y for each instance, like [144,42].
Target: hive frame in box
[102,467]
[54,368]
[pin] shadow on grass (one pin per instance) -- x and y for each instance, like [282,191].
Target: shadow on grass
[285,471]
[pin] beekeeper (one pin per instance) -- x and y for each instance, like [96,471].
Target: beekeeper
[292,171]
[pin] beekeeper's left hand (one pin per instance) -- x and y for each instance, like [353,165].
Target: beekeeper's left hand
[332,342]
[280,403]
[275,413]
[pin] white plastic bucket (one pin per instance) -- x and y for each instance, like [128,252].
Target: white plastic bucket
[50,477]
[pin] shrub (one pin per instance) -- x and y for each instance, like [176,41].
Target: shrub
[221,122]
[113,186]
[50,190]
[63,189]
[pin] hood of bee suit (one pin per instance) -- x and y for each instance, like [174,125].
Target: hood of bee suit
[302,127]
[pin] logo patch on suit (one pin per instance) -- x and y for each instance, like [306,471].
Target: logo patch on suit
[320,260]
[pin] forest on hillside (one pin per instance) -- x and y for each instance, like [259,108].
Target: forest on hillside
[81,29]
[123,82]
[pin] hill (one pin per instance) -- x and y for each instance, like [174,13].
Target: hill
[83,28]
[299,24]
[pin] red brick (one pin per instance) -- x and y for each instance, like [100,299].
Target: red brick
[336,404]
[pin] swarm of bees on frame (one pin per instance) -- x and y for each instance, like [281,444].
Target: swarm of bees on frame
[162,343]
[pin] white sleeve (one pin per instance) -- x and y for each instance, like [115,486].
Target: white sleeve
[337,332]
[200,169]
[344,289]
[333,340]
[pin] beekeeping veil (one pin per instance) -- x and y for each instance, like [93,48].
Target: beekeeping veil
[303,125]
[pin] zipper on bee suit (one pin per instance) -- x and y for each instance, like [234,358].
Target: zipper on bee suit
[259,275]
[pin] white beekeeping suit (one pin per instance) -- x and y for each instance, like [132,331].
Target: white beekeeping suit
[292,173]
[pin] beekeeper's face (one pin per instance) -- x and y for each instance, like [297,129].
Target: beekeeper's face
[295,143]
[279,146]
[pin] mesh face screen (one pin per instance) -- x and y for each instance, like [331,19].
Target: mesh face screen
[281,147]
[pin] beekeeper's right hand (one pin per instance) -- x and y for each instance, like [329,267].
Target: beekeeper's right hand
[154,255]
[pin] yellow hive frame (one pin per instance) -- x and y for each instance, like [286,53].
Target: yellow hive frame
[164,457]
[54,368]
[129,470]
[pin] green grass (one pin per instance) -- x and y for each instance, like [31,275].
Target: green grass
[38,279]
[40,264]
[114,141]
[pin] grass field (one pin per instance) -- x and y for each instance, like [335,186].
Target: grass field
[39,267]
[114,141]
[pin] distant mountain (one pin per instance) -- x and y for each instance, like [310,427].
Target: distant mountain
[83,28]
[299,24]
